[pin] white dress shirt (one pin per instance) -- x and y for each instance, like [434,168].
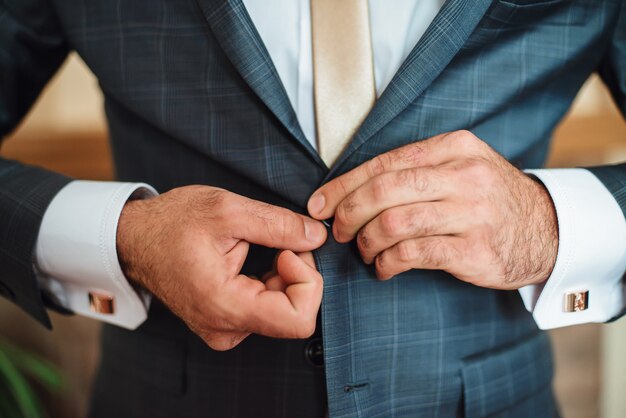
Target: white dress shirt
[76,249]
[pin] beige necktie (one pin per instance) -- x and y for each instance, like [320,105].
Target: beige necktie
[343,72]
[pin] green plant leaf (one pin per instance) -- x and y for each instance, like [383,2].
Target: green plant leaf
[39,369]
[25,398]
[34,366]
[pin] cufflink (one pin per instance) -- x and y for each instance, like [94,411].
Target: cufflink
[101,303]
[576,301]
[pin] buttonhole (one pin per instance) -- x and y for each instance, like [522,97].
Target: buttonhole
[354,386]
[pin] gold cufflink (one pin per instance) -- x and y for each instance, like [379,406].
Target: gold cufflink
[576,301]
[102,303]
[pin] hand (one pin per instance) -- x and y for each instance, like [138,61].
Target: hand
[274,280]
[187,247]
[447,203]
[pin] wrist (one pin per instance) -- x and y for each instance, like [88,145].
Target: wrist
[546,242]
[126,245]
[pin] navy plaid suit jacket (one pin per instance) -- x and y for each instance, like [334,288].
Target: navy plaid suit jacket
[193,97]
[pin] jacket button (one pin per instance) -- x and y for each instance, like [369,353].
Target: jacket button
[314,352]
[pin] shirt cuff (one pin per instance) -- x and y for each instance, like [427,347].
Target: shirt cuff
[76,254]
[591,253]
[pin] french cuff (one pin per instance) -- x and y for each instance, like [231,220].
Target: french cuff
[586,282]
[76,257]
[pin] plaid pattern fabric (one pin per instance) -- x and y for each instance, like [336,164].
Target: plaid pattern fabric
[26,63]
[192,97]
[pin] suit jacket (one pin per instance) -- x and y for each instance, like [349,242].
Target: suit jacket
[193,97]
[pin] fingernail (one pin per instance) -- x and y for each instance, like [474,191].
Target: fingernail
[313,230]
[316,203]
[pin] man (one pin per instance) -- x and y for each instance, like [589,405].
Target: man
[400,127]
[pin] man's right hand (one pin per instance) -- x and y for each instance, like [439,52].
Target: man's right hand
[187,247]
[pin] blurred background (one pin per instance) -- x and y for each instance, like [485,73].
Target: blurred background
[65,131]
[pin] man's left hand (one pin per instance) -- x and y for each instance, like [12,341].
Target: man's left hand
[446,203]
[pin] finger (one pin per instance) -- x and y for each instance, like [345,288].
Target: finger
[268,276]
[308,258]
[433,151]
[304,287]
[288,314]
[430,253]
[401,223]
[273,281]
[395,188]
[275,227]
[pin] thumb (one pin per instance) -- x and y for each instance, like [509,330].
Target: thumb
[304,282]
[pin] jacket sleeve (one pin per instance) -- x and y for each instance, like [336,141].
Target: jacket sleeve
[613,72]
[32,48]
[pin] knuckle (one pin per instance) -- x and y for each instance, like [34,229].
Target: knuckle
[382,265]
[367,245]
[416,178]
[464,139]
[380,262]
[363,244]
[436,254]
[479,170]
[430,220]
[277,221]
[377,165]
[432,258]
[363,241]
[282,226]
[406,251]
[420,223]
[465,134]
[391,223]
[343,184]
[342,216]
[411,155]
[413,178]
[380,187]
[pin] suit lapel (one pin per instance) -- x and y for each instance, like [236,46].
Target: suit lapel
[442,40]
[238,37]
[234,30]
